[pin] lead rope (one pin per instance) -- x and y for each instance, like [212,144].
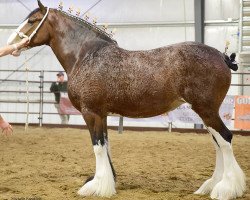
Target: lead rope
[27,95]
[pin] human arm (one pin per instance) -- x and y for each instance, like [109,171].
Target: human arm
[64,86]
[9,49]
[16,53]
[54,88]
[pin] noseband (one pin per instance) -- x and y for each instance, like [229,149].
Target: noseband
[22,35]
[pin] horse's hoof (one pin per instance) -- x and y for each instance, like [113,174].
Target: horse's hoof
[226,190]
[95,188]
[88,189]
[222,191]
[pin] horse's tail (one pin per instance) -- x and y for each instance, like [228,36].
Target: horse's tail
[230,61]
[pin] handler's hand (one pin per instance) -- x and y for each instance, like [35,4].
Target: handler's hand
[16,53]
[6,128]
[23,43]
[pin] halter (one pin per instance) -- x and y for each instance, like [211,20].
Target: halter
[22,35]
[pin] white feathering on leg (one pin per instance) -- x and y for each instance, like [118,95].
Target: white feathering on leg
[233,182]
[209,184]
[103,183]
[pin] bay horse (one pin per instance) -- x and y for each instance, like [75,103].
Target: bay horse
[104,78]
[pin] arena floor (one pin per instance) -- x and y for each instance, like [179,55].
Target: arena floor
[53,163]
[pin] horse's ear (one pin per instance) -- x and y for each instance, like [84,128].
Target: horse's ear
[41,6]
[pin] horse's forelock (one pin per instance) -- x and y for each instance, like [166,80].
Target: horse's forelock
[32,13]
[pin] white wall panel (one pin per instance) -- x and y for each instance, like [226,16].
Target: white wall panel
[216,36]
[144,10]
[21,10]
[222,9]
[108,10]
[152,37]
[12,12]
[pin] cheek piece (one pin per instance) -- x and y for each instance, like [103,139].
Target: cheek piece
[21,34]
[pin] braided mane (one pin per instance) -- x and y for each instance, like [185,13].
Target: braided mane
[89,25]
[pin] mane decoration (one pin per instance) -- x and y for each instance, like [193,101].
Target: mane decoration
[85,19]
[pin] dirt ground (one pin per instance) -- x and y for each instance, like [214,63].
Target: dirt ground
[53,163]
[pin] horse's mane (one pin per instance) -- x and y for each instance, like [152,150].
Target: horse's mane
[89,25]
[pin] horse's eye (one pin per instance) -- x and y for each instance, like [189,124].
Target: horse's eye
[31,21]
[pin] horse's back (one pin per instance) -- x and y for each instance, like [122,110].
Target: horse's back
[178,65]
[180,56]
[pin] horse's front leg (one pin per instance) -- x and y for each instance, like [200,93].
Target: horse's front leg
[103,182]
[105,131]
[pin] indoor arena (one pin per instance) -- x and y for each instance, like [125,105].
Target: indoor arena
[112,99]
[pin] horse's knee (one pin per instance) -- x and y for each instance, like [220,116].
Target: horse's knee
[95,125]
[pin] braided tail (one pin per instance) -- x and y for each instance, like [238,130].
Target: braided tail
[230,61]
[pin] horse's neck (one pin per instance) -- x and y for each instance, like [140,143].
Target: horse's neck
[71,42]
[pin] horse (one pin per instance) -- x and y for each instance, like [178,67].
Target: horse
[104,78]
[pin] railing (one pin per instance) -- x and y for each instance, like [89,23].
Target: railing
[37,92]
[242,83]
[241,26]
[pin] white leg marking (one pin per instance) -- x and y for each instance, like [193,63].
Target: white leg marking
[233,183]
[103,183]
[108,145]
[209,184]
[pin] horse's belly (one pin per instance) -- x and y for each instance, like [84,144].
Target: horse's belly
[148,109]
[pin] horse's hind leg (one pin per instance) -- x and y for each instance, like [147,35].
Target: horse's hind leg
[103,182]
[228,180]
[233,183]
[209,184]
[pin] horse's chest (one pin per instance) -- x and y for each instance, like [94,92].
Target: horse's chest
[85,91]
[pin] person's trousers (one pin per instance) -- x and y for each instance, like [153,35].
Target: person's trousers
[64,118]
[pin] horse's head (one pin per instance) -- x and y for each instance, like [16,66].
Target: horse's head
[35,21]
